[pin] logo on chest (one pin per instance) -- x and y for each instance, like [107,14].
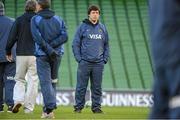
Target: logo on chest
[95,36]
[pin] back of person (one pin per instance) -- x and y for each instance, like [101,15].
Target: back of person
[5,25]
[24,35]
[49,25]
[7,69]
[49,34]
[25,60]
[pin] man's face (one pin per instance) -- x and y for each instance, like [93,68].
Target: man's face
[38,7]
[94,15]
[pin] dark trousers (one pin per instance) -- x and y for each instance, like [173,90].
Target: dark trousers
[7,82]
[47,70]
[165,34]
[166,87]
[94,71]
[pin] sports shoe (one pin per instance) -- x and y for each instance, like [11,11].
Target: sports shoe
[9,110]
[16,107]
[1,108]
[48,116]
[77,110]
[97,110]
[27,111]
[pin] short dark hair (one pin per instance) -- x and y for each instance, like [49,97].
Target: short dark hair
[44,3]
[94,8]
[30,5]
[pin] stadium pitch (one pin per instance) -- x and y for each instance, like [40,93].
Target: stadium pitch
[63,112]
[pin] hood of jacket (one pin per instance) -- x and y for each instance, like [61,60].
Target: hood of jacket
[46,13]
[87,21]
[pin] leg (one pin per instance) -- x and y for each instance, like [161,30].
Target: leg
[160,108]
[174,88]
[165,50]
[54,73]
[19,88]
[174,113]
[32,85]
[1,85]
[44,73]
[96,85]
[83,73]
[9,82]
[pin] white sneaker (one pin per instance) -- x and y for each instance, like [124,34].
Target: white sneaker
[16,107]
[1,111]
[27,111]
[49,116]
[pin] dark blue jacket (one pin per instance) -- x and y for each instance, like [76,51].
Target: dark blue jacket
[21,34]
[91,42]
[5,27]
[165,31]
[49,33]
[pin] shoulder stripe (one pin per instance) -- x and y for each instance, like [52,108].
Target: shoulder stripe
[37,19]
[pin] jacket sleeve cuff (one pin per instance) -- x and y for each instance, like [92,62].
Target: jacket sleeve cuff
[78,60]
[105,61]
[8,52]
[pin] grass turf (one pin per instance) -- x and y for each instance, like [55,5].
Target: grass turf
[63,112]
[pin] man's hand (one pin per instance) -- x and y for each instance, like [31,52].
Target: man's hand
[9,58]
[53,56]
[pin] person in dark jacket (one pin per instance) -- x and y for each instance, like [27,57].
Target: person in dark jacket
[91,51]
[25,60]
[165,45]
[49,34]
[7,69]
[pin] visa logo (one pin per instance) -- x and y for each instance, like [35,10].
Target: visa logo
[95,36]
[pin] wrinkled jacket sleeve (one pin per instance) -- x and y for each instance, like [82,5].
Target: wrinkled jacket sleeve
[62,38]
[13,36]
[106,47]
[76,45]
[38,38]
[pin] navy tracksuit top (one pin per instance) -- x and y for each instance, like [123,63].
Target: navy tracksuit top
[91,42]
[49,32]
[5,27]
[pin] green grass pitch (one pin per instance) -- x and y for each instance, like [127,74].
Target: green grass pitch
[63,112]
